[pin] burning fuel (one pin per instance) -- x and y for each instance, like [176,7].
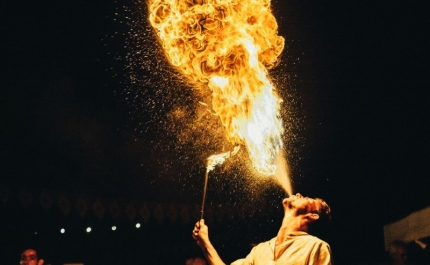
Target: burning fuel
[228,46]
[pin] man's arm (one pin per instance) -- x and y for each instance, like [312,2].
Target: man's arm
[201,236]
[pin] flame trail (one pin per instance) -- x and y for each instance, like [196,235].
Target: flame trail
[229,45]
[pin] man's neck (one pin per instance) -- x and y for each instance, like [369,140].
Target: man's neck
[290,224]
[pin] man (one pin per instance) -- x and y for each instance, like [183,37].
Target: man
[292,245]
[398,253]
[195,261]
[29,257]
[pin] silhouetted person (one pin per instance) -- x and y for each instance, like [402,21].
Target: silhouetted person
[30,257]
[397,254]
[292,245]
[195,261]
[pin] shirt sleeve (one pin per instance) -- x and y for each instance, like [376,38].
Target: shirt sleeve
[321,255]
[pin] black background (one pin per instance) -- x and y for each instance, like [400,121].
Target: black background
[70,121]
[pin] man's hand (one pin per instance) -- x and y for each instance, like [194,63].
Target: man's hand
[201,233]
[201,236]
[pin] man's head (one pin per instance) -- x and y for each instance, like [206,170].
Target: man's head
[398,251]
[195,261]
[308,208]
[29,257]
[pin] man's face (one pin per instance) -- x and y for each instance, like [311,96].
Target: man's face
[301,205]
[400,256]
[199,261]
[28,257]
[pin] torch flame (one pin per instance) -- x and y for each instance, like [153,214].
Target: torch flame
[214,160]
[229,45]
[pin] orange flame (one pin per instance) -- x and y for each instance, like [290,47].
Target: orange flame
[229,45]
[214,160]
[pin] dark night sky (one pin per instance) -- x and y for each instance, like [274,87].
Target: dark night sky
[361,85]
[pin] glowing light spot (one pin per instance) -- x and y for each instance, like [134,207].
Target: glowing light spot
[138,225]
[113,228]
[88,229]
[62,231]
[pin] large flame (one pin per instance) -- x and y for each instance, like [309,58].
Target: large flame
[229,45]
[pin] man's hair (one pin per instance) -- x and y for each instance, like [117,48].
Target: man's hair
[325,211]
[324,219]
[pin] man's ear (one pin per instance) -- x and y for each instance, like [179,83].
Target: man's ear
[312,216]
[40,262]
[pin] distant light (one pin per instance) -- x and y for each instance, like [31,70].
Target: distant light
[113,228]
[62,230]
[138,225]
[88,229]
[35,232]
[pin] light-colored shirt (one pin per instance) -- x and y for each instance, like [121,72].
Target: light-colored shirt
[299,248]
